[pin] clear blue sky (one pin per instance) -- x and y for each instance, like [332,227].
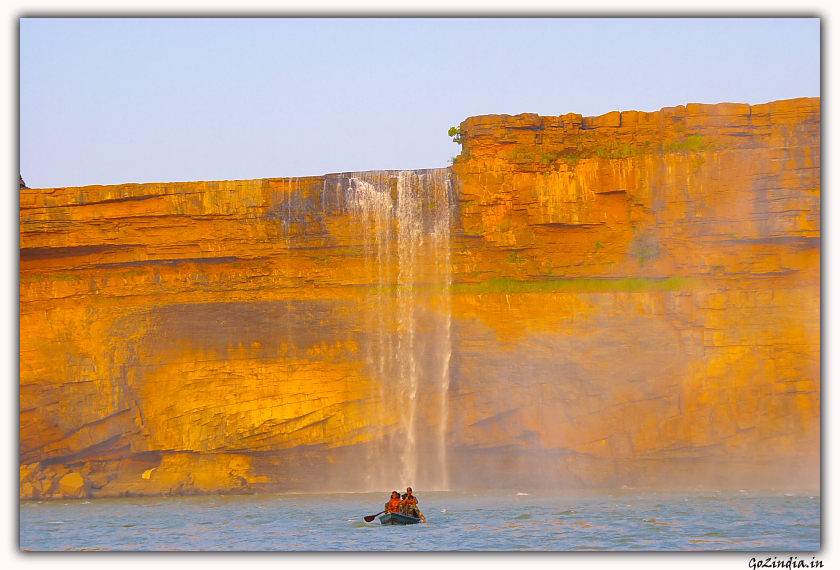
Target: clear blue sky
[107,101]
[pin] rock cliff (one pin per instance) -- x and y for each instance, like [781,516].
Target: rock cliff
[631,299]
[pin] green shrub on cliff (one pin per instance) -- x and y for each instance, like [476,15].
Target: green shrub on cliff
[692,142]
[64,277]
[630,284]
[477,231]
[571,159]
[616,150]
[504,226]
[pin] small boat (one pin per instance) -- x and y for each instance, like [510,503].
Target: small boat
[397,519]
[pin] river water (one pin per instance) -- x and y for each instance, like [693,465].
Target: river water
[619,520]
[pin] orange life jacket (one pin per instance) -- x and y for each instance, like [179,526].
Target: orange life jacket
[394,505]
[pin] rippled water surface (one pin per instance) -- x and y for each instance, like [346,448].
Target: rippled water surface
[484,520]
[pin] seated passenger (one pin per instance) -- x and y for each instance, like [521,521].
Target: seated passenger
[394,505]
[410,502]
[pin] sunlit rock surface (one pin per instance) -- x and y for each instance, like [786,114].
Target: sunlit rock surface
[632,299]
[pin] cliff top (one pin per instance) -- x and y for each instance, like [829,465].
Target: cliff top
[786,110]
[538,142]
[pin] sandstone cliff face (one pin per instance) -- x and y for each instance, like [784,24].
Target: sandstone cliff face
[700,224]
[631,299]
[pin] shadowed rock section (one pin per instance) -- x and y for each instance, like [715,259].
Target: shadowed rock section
[632,299]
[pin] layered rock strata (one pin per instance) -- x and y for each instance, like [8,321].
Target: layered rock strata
[631,299]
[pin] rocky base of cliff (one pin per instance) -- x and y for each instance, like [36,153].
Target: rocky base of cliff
[180,474]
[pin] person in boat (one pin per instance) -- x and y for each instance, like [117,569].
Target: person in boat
[410,502]
[395,504]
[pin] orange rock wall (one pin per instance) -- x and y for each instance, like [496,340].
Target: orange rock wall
[665,267]
[627,299]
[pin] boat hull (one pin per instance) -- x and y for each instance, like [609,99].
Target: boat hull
[397,519]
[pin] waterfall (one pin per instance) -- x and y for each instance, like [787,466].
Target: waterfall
[444,194]
[404,226]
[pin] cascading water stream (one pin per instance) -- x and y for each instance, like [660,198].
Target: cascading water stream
[410,238]
[404,222]
[442,232]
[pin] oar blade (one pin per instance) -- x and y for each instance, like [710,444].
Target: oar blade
[371,517]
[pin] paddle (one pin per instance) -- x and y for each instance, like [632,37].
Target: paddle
[371,517]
